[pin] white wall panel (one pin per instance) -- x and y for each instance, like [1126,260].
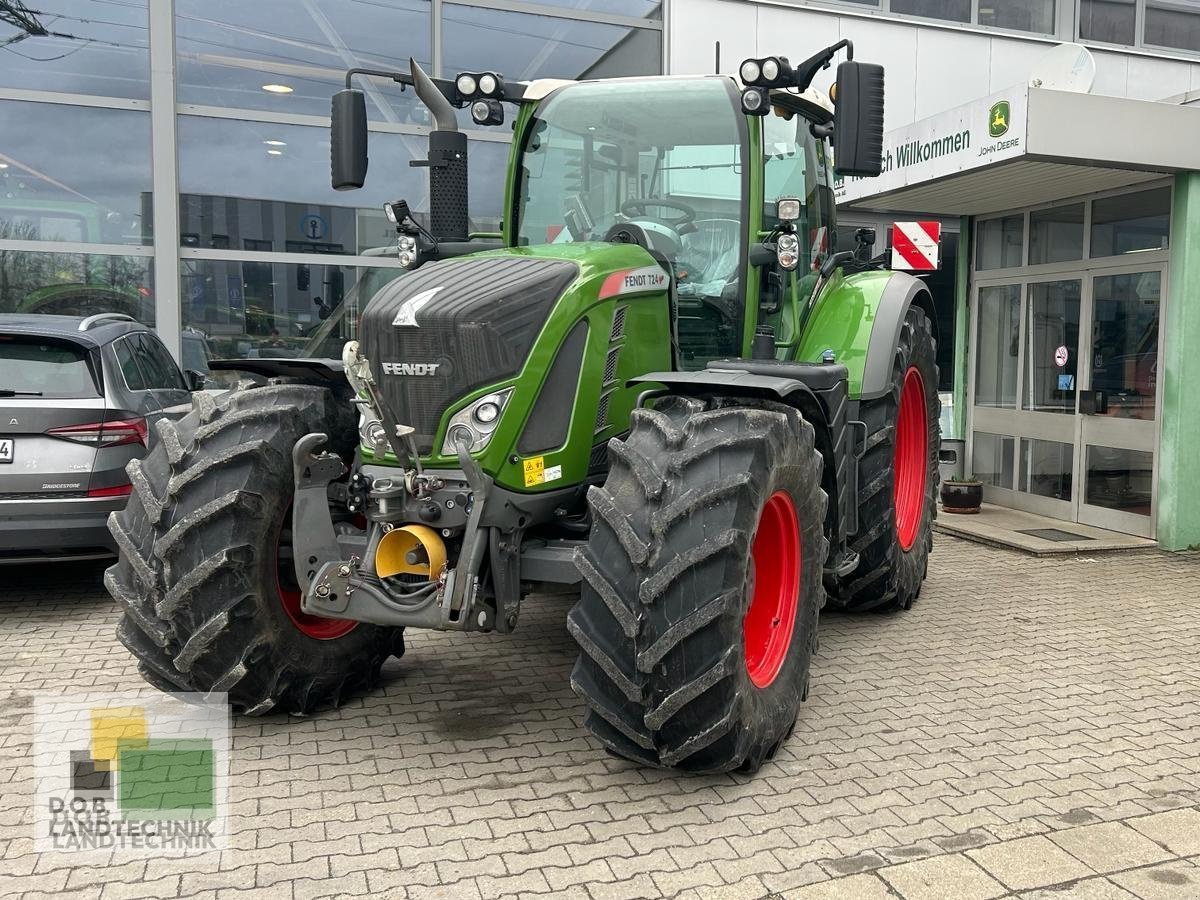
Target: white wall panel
[929,69]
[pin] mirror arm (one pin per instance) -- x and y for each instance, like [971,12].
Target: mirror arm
[444,86]
[807,70]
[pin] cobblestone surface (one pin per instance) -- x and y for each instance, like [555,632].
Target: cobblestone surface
[1031,728]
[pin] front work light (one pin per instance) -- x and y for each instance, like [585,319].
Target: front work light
[770,72]
[787,209]
[396,211]
[756,101]
[787,250]
[477,85]
[487,112]
[475,424]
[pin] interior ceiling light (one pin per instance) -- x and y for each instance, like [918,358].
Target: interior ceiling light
[274,143]
[275,152]
[3,165]
[278,88]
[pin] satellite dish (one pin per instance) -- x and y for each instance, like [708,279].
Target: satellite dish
[1067,67]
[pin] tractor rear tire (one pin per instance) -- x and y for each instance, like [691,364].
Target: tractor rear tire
[898,480]
[702,583]
[204,573]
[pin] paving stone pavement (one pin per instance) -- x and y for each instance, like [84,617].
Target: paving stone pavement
[1030,729]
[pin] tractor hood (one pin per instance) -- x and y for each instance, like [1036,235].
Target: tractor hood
[455,327]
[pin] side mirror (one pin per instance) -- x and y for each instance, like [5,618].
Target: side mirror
[858,122]
[195,380]
[348,140]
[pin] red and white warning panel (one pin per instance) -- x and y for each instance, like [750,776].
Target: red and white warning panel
[915,246]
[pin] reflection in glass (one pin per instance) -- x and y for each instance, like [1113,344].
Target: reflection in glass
[1120,479]
[55,186]
[1052,347]
[992,459]
[228,50]
[1125,342]
[96,47]
[1110,21]
[1172,23]
[949,10]
[523,46]
[224,203]
[1019,15]
[75,284]
[253,309]
[1047,468]
[1056,234]
[1129,223]
[999,242]
[996,350]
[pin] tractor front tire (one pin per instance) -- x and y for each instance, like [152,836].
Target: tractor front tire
[898,480]
[204,573]
[702,583]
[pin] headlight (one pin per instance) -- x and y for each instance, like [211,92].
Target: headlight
[476,423]
[770,69]
[487,84]
[787,250]
[407,242]
[750,71]
[465,84]
[756,101]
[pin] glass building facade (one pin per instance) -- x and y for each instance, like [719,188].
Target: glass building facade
[221,107]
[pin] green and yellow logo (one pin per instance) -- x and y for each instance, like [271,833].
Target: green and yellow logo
[998,117]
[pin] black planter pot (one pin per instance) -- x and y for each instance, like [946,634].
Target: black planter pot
[961,497]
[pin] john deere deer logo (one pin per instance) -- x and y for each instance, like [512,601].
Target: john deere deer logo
[998,118]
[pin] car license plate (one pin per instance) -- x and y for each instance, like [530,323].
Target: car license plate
[6,449]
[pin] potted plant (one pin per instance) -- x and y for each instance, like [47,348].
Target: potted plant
[962,495]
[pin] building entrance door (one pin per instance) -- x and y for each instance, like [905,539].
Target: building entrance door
[1065,389]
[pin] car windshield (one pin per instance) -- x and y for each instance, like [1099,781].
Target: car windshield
[44,367]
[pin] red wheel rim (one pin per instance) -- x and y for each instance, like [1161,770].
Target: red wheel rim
[771,618]
[912,459]
[316,627]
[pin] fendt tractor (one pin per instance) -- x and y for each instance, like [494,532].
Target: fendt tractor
[660,382]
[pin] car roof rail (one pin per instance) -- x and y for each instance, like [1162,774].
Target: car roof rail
[100,317]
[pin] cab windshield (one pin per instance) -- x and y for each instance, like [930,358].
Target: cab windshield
[665,155]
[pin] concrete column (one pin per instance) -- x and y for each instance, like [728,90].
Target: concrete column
[962,325]
[165,163]
[1179,329]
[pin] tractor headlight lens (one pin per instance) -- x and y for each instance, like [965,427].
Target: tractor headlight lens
[476,423]
[787,249]
[407,242]
[487,112]
[755,101]
[408,258]
[750,71]
[390,213]
[465,84]
[787,209]
[487,84]
[770,69]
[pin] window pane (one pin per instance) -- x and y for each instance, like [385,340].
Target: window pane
[1047,468]
[74,284]
[53,189]
[950,10]
[996,349]
[1056,235]
[225,201]
[227,50]
[1020,15]
[522,46]
[48,367]
[992,459]
[1173,23]
[1000,243]
[1128,223]
[1111,21]
[134,380]
[92,47]
[252,309]
[642,9]
[1120,479]
[1052,347]
[1125,342]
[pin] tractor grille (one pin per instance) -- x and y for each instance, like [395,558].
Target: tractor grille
[475,323]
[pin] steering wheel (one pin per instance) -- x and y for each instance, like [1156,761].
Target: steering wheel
[637,207]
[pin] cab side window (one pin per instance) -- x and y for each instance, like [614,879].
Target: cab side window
[795,165]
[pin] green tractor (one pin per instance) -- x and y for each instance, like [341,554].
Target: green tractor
[658,385]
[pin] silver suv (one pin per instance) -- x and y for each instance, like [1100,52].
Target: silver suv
[78,400]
